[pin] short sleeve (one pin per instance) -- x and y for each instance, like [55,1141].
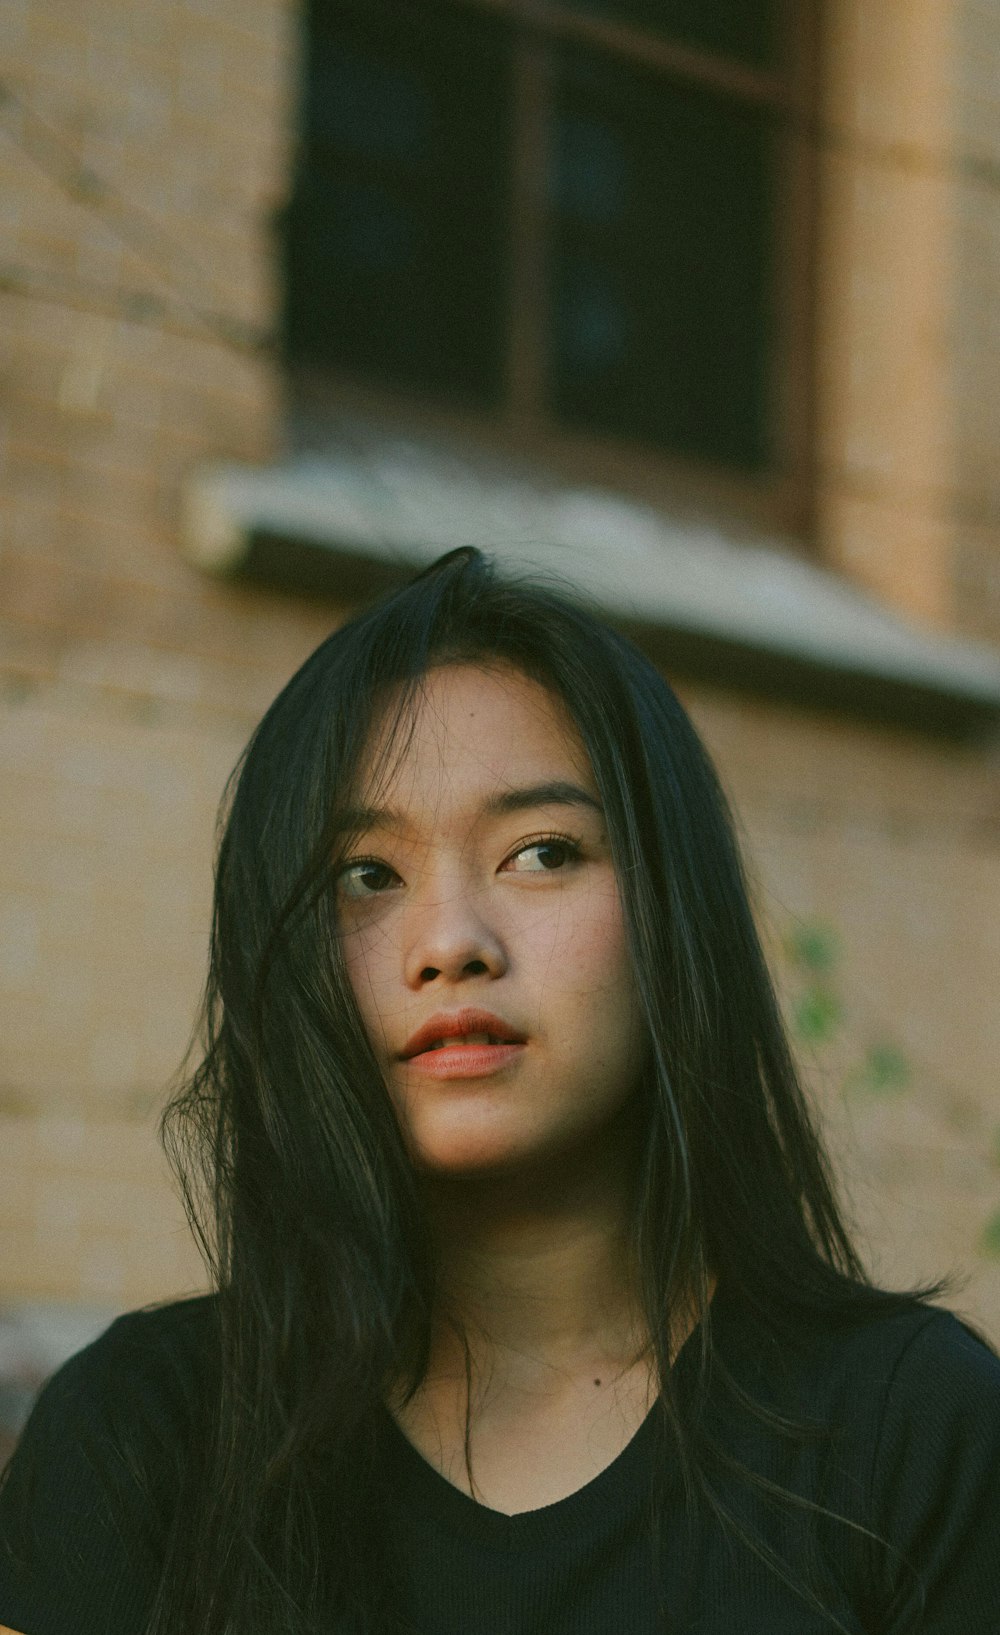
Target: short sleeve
[936,1486]
[83,1500]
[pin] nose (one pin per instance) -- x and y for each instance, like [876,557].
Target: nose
[450,938]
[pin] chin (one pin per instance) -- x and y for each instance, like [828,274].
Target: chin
[468,1152]
[467,1160]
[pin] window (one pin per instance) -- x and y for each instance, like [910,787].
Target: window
[572,212]
[397,233]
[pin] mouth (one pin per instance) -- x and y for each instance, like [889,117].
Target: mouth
[466,1039]
[466,1030]
[467,1056]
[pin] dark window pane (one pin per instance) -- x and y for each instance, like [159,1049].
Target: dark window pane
[744,29]
[395,242]
[363,106]
[661,262]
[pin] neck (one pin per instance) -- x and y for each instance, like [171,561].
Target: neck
[536,1270]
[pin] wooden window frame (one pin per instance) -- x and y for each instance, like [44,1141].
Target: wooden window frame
[779,497]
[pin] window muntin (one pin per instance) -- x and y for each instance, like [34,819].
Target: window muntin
[745,30]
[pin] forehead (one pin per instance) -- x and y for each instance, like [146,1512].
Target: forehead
[470,733]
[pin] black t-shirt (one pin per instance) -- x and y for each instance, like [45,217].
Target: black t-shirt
[905,1451]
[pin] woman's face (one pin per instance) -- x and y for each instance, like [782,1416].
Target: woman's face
[483,932]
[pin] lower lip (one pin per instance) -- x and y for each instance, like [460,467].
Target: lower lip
[463,1061]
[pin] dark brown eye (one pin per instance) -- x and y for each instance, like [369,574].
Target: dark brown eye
[365,877]
[544,856]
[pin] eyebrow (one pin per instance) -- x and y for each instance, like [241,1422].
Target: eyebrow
[357,819]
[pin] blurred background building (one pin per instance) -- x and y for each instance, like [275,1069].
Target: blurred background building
[696,303]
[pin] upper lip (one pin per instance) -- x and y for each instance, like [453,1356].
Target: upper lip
[453,1024]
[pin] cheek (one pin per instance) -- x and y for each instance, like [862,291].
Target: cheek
[607,984]
[366,959]
[589,1003]
[600,936]
[580,952]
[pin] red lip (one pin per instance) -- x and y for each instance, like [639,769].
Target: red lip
[454,1024]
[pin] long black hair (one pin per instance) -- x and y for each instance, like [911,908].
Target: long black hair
[291,1159]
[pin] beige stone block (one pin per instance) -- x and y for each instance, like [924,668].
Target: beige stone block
[15,25]
[976,348]
[51,1061]
[123,1207]
[163,1268]
[977,97]
[890,71]
[122,666]
[17,1195]
[56,1217]
[52,1270]
[103,1269]
[977,575]
[58,976]
[120,1147]
[21,1271]
[38,589]
[113,1056]
[902,555]
[55,25]
[20,944]
[27,1021]
[884,327]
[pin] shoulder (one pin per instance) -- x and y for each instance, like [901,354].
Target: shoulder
[99,1467]
[924,1360]
[869,1360]
[912,1398]
[177,1334]
[899,1415]
[162,1355]
[891,1393]
[937,1388]
[932,1355]
[933,1478]
[133,1400]
[920,1378]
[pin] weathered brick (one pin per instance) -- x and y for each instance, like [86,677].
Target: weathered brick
[129,682]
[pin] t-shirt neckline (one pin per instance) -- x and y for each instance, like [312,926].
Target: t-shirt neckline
[616,1490]
[442,1503]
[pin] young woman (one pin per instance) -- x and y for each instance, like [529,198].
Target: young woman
[534,1311]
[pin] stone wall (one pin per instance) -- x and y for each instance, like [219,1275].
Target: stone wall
[144,150]
[884,850]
